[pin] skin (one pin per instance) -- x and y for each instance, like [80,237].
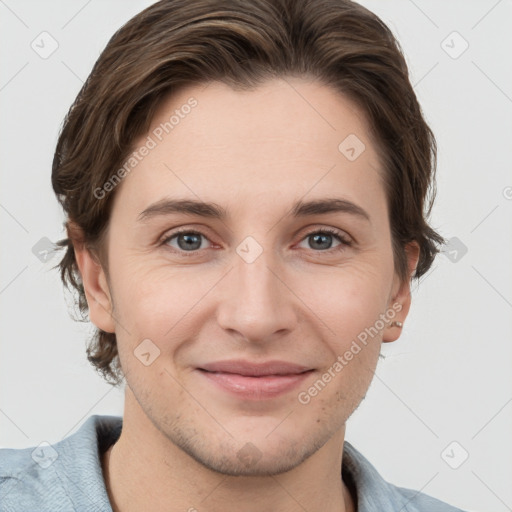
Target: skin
[253,153]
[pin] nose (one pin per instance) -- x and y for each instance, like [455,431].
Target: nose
[256,303]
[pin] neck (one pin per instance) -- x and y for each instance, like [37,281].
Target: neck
[144,470]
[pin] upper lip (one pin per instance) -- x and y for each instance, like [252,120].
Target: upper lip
[253,369]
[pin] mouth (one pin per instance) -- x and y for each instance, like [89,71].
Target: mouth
[255,381]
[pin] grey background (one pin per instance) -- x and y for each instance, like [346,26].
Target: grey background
[446,379]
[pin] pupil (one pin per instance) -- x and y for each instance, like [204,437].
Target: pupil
[319,236]
[189,241]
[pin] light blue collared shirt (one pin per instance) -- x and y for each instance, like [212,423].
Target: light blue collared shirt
[67,477]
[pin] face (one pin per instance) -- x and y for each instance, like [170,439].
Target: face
[235,320]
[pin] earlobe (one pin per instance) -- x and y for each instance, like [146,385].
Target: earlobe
[401,299]
[96,288]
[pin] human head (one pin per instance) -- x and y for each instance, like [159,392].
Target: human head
[173,44]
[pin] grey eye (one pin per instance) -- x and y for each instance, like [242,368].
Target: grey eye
[320,241]
[187,241]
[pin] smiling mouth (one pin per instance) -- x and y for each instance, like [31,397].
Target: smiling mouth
[256,383]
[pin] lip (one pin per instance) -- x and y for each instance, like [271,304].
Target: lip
[254,369]
[255,381]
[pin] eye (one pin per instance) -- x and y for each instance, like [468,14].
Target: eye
[190,241]
[187,240]
[321,240]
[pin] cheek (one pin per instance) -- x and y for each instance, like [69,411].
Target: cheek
[347,300]
[151,298]
[336,393]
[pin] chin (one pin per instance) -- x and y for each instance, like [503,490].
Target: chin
[255,453]
[249,460]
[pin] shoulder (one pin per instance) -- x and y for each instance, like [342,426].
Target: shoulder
[374,494]
[26,477]
[51,477]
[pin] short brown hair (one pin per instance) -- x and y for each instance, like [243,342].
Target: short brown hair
[175,43]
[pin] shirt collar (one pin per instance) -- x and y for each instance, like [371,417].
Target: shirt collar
[372,492]
[75,477]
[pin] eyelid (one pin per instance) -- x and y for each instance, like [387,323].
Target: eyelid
[329,229]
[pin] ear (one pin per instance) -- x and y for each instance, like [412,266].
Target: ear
[97,291]
[401,295]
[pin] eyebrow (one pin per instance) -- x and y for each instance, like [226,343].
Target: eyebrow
[214,211]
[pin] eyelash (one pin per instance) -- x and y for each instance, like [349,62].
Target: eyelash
[345,242]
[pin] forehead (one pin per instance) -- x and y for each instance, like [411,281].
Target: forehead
[285,137]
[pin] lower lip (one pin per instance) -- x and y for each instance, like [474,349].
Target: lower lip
[256,388]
